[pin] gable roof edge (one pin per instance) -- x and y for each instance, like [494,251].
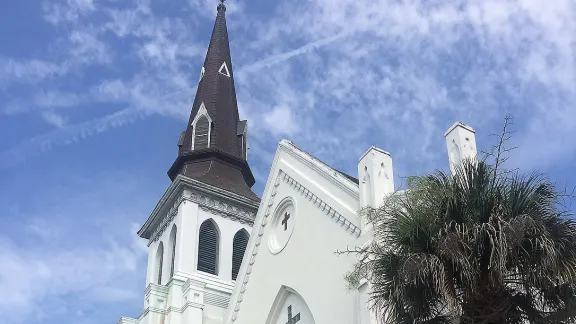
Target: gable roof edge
[338,178]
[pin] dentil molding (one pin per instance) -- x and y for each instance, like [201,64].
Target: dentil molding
[254,251]
[206,203]
[324,207]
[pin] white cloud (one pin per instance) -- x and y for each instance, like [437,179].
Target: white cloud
[30,71]
[57,12]
[54,119]
[67,135]
[385,65]
[279,121]
[32,274]
[73,247]
[333,76]
[86,47]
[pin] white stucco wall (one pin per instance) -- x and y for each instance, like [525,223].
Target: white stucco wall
[307,263]
[188,221]
[191,296]
[460,143]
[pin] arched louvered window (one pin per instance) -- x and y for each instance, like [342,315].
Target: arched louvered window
[159,263]
[201,133]
[208,247]
[173,245]
[238,249]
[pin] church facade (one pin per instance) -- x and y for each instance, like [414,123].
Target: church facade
[219,254]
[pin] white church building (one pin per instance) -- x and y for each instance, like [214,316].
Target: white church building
[219,254]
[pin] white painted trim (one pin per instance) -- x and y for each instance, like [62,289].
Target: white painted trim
[273,245]
[247,148]
[201,112]
[376,149]
[252,249]
[459,124]
[167,206]
[320,204]
[127,320]
[224,69]
[281,296]
[330,174]
[202,72]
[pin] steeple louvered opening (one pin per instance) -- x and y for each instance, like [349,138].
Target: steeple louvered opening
[201,133]
[208,247]
[238,248]
[159,263]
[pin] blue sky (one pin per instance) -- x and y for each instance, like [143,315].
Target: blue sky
[94,95]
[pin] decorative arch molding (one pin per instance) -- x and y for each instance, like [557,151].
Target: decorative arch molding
[365,187]
[198,125]
[289,302]
[159,264]
[172,240]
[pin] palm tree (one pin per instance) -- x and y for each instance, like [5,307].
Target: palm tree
[477,246]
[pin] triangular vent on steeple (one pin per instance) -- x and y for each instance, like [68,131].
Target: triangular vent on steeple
[224,70]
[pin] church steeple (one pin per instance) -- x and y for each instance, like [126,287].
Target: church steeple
[213,149]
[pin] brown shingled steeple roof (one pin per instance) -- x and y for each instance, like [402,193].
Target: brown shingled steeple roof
[213,147]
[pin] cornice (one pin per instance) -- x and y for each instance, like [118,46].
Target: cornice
[210,198]
[169,309]
[152,287]
[206,203]
[166,220]
[329,173]
[191,283]
[223,209]
[127,320]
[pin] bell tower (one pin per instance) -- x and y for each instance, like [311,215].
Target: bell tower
[198,231]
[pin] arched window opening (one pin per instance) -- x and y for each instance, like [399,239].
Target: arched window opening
[238,248]
[159,263]
[201,133]
[208,247]
[173,245]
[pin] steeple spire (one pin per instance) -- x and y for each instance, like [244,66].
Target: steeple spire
[213,149]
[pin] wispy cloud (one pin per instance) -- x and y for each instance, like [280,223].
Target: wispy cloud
[54,119]
[333,76]
[58,258]
[67,135]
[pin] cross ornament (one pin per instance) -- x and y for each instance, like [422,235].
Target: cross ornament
[285,220]
[292,320]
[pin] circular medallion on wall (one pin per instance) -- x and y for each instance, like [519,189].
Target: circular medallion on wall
[282,226]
